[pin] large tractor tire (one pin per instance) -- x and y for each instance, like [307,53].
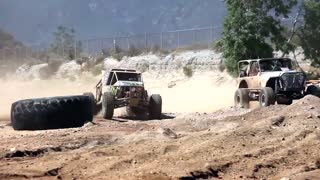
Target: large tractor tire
[51,113]
[241,98]
[94,106]
[267,97]
[108,102]
[155,110]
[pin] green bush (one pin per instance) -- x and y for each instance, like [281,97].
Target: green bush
[187,71]
[117,53]
[133,51]
[96,70]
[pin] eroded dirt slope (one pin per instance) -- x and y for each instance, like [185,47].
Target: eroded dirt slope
[265,143]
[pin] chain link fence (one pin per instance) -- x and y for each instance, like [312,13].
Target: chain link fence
[169,40]
[197,38]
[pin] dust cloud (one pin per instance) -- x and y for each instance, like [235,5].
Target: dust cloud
[201,93]
[14,90]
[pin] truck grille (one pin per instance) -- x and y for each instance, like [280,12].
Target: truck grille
[292,81]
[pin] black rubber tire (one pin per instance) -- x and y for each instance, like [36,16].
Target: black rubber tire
[313,90]
[241,98]
[108,102]
[155,103]
[93,102]
[285,101]
[267,97]
[51,113]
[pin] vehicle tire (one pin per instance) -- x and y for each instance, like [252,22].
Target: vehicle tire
[93,102]
[313,90]
[267,97]
[241,98]
[155,103]
[285,101]
[51,113]
[108,102]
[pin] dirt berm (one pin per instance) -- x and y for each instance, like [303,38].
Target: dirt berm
[266,143]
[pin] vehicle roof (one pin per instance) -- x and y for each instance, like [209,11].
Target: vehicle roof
[263,59]
[125,71]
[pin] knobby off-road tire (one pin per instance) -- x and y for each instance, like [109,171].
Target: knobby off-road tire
[94,106]
[241,98]
[108,102]
[51,113]
[155,110]
[285,101]
[267,97]
[313,90]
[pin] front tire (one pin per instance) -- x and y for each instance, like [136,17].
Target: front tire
[241,98]
[108,102]
[267,97]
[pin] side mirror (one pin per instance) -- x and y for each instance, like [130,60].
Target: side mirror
[243,73]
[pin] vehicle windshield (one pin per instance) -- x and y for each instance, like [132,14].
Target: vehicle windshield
[128,76]
[276,65]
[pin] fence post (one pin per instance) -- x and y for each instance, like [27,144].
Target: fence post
[194,36]
[128,42]
[178,39]
[75,49]
[146,40]
[114,44]
[101,46]
[161,40]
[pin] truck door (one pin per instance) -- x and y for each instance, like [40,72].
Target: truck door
[253,75]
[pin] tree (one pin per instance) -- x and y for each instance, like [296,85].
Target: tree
[65,43]
[8,41]
[253,30]
[310,32]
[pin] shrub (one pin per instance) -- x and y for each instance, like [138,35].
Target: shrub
[117,53]
[221,67]
[96,70]
[133,51]
[144,67]
[187,71]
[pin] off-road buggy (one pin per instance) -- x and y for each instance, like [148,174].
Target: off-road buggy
[270,81]
[125,88]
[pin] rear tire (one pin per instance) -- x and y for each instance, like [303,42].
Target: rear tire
[51,113]
[93,102]
[285,101]
[241,98]
[108,102]
[313,90]
[267,97]
[155,106]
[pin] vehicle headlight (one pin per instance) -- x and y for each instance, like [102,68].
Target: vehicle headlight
[133,89]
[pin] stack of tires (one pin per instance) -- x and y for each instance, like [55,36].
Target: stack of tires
[51,113]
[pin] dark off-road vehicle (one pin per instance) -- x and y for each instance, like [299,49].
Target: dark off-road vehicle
[125,88]
[270,81]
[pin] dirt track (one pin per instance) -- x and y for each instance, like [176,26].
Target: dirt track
[267,143]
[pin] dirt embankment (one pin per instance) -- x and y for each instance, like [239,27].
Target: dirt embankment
[265,143]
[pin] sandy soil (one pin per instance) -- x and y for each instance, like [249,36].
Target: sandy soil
[265,143]
[194,140]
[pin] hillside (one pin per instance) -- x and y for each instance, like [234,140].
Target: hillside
[34,22]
